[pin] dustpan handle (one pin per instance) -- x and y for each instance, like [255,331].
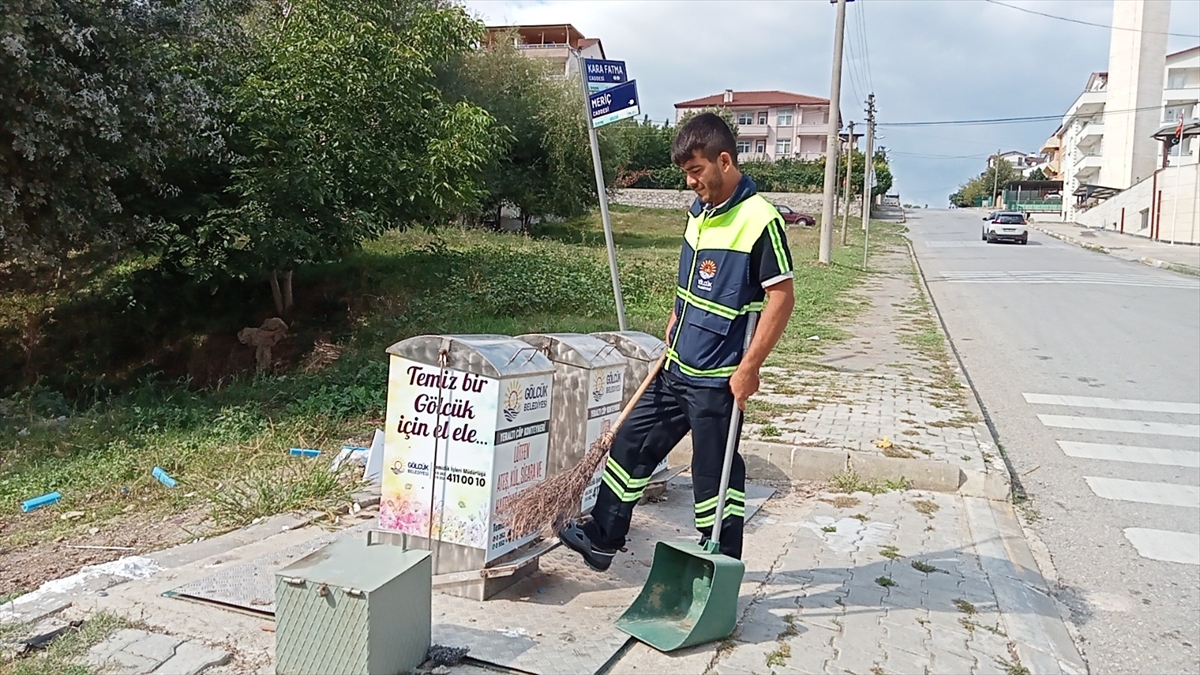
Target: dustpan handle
[735,420]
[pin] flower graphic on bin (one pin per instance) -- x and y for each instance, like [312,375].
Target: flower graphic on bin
[598,387]
[512,401]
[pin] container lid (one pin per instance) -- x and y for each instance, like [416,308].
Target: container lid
[576,349]
[349,562]
[634,344]
[496,356]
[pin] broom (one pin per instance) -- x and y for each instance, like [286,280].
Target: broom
[554,500]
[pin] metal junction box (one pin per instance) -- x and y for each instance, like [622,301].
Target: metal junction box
[353,608]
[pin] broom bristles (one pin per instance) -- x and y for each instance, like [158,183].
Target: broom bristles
[550,503]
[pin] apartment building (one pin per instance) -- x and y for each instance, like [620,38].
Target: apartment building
[771,124]
[1181,100]
[1082,134]
[552,42]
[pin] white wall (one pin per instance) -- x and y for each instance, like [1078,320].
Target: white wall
[1180,218]
[1136,60]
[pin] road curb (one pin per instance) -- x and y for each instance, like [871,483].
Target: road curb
[1145,260]
[993,482]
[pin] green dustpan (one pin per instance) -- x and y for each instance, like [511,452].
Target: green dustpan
[692,592]
[690,597]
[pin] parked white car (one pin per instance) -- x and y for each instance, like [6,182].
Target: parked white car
[1006,226]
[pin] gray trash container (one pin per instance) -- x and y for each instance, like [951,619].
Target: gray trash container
[589,385]
[640,350]
[482,402]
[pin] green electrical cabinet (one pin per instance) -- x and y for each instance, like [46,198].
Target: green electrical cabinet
[355,607]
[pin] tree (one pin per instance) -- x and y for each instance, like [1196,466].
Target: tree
[344,134]
[723,113]
[542,162]
[102,102]
[987,185]
[1037,174]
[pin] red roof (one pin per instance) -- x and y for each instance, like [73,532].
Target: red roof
[754,98]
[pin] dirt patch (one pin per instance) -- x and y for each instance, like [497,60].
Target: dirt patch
[33,559]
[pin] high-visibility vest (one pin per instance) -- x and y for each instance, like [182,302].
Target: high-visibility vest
[718,289]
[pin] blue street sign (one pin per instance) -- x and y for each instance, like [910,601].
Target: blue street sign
[614,103]
[604,74]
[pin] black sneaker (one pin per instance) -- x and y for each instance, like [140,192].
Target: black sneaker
[575,539]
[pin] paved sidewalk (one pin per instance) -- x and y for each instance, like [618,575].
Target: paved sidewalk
[1181,257]
[861,574]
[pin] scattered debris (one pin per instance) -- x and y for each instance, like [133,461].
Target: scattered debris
[163,477]
[442,656]
[263,338]
[814,337]
[38,502]
[303,452]
[883,443]
[102,548]
[72,515]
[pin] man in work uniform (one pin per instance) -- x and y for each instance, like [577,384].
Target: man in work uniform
[735,258]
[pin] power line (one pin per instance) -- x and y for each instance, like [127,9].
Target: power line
[1087,23]
[1007,120]
[861,16]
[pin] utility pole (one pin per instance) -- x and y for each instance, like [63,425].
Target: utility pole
[825,255]
[850,145]
[995,178]
[869,169]
[868,172]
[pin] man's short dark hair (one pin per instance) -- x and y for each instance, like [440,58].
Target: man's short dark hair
[707,133]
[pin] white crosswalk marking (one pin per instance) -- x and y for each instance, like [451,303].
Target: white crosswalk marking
[1123,426]
[1131,453]
[1166,494]
[1114,403]
[1067,277]
[1178,547]
[1154,544]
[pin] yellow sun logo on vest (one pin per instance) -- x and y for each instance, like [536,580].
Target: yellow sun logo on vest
[708,270]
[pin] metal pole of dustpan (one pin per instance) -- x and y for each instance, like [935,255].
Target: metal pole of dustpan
[735,420]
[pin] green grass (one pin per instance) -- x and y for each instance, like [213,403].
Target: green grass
[62,655]
[227,444]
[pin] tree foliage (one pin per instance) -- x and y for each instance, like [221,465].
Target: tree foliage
[101,101]
[344,133]
[985,187]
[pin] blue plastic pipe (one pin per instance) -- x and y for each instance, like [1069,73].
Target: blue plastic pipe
[163,477]
[38,502]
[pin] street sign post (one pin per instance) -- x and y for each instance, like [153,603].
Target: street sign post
[590,114]
[615,103]
[604,74]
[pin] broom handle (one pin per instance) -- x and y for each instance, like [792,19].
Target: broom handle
[730,446]
[638,394]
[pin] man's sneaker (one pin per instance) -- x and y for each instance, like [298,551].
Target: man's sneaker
[575,539]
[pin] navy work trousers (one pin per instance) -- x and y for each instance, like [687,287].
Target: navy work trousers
[661,418]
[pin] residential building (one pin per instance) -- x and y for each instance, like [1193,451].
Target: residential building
[1052,149]
[1082,133]
[1023,163]
[552,42]
[1181,100]
[771,124]
[1136,59]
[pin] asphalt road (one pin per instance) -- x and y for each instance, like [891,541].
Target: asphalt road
[1089,369]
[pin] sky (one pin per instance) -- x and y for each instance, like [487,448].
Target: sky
[925,60]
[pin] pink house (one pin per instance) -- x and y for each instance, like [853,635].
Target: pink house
[771,124]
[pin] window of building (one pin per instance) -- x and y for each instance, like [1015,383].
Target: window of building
[743,146]
[745,118]
[785,118]
[762,147]
[762,118]
[783,147]
[1176,79]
